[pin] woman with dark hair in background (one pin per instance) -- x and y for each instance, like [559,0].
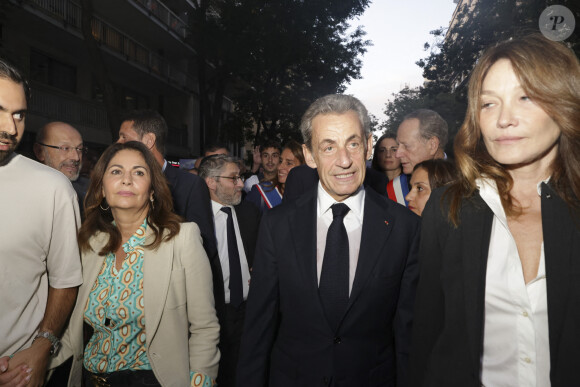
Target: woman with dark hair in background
[268,194]
[427,176]
[384,159]
[147,296]
[498,294]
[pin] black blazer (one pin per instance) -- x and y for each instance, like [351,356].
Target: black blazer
[191,201]
[248,221]
[449,311]
[287,340]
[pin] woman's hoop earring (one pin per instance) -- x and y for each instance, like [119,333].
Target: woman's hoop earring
[104,209]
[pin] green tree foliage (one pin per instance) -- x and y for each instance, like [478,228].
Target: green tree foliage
[450,60]
[479,26]
[273,58]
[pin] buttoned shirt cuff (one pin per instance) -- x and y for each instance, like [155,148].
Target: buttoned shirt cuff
[201,380]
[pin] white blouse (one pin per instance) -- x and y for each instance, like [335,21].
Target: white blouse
[516,350]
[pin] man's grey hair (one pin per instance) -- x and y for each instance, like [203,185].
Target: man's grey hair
[334,104]
[214,165]
[431,124]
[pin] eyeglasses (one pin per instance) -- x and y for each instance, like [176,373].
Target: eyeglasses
[66,149]
[235,179]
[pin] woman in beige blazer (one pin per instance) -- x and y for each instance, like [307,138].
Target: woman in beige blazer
[147,297]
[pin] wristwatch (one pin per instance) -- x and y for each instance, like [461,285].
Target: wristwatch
[54,341]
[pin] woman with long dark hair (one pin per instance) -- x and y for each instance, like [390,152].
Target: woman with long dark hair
[147,299]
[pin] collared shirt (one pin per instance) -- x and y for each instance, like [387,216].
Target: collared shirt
[164,165]
[116,311]
[352,222]
[221,233]
[516,350]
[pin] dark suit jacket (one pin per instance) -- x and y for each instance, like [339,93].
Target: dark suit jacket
[248,222]
[287,339]
[191,201]
[449,312]
[232,322]
[302,178]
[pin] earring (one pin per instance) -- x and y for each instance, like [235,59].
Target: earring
[152,202]
[104,209]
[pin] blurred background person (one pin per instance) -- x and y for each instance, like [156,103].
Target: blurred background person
[268,168]
[60,146]
[236,229]
[421,136]
[268,194]
[292,156]
[427,176]
[384,159]
[385,162]
[147,294]
[498,294]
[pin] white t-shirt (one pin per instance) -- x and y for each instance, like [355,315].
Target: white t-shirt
[38,239]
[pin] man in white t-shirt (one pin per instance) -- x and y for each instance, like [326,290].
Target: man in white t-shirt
[40,268]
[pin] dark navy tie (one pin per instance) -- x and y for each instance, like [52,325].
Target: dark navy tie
[334,285]
[236,288]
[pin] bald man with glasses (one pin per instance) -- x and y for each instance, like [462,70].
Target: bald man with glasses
[60,146]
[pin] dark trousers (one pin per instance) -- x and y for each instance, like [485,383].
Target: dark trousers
[230,337]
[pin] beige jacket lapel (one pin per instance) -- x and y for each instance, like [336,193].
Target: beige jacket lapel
[157,266]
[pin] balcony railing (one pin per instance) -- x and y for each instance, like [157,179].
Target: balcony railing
[69,13]
[50,104]
[165,16]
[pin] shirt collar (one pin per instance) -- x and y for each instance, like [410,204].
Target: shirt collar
[216,207]
[138,238]
[485,184]
[355,202]
[164,165]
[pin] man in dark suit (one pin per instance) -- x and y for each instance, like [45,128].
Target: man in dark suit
[333,281]
[189,192]
[236,230]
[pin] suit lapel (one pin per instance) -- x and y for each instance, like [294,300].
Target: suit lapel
[302,224]
[157,266]
[476,222]
[559,240]
[92,265]
[244,233]
[377,226]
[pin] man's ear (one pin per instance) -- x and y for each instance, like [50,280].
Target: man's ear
[38,152]
[211,183]
[433,144]
[369,147]
[308,157]
[149,140]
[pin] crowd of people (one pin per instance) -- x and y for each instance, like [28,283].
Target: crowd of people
[318,267]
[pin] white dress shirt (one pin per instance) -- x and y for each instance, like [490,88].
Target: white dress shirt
[352,222]
[221,232]
[516,350]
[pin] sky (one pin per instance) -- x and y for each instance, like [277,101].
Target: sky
[398,29]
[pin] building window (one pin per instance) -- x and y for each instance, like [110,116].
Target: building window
[52,72]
